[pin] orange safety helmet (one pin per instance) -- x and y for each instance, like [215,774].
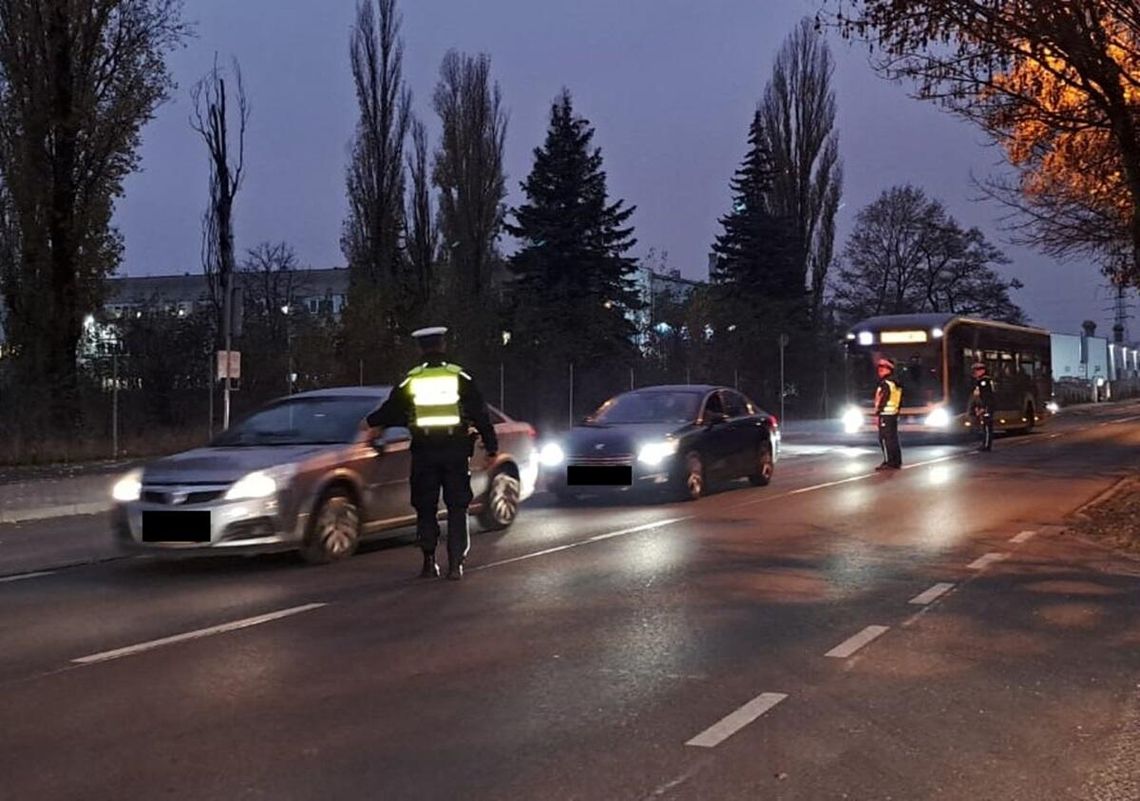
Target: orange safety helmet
[978,366]
[884,362]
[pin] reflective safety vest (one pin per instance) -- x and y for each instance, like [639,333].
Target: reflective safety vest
[894,399]
[435,395]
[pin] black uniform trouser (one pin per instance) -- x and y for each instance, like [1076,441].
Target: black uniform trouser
[889,439]
[986,422]
[442,467]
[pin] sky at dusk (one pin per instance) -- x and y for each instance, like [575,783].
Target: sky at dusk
[670,86]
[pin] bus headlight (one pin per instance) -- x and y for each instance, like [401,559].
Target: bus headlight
[939,418]
[551,455]
[1052,407]
[852,420]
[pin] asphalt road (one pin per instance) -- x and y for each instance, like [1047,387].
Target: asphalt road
[840,634]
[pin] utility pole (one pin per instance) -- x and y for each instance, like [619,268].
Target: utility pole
[115,403]
[783,344]
[227,340]
[571,394]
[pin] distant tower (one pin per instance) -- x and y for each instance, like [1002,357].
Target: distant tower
[1120,318]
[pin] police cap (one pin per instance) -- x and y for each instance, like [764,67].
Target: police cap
[430,338]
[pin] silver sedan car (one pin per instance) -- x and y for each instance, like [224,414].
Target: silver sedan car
[302,473]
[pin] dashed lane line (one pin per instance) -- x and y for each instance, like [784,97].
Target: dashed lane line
[130,650]
[720,731]
[982,562]
[24,576]
[932,595]
[1023,536]
[850,646]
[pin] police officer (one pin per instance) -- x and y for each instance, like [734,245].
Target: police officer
[982,404]
[888,402]
[437,401]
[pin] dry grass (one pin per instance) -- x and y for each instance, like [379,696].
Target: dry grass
[20,450]
[1116,520]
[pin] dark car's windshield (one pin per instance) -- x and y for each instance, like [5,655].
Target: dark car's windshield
[303,421]
[662,406]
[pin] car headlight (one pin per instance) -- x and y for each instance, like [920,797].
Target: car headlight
[852,420]
[1052,407]
[939,418]
[260,484]
[654,453]
[128,488]
[551,455]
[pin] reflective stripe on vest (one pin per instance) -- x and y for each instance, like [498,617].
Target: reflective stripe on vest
[435,396]
[894,399]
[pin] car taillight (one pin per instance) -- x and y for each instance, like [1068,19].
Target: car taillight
[773,422]
[530,432]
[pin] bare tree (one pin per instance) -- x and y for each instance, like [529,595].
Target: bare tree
[798,116]
[78,81]
[423,228]
[469,169]
[908,255]
[375,225]
[272,280]
[211,120]
[1053,81]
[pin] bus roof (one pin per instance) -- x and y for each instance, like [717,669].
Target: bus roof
[930,320]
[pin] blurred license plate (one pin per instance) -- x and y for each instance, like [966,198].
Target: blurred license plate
[176,526]
[585,476]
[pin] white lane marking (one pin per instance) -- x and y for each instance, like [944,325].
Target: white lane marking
[847,648]
[717,733]
[1024,536]
[23,576]
[194,635]
[588,541]
[982,562]
[931,595]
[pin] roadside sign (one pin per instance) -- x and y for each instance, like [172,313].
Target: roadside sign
[235,365]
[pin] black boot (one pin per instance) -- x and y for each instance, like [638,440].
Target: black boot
[430,568]
[455,570]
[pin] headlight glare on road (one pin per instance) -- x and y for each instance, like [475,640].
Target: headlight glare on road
[551,455]
[654,453]
[128,488]
[852,420]
[939,418]
[260,484]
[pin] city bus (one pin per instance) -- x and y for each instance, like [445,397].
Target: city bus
[932,355]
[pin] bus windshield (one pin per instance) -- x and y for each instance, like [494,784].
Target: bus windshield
[918,368]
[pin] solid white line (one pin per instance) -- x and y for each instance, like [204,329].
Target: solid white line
[846,649]
[933,594]
[1024,536]
[22,576]
[588,541]
[719,732]
[194,635]
[982,562]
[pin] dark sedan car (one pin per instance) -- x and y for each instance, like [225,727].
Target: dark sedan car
[675,438]
[302,473]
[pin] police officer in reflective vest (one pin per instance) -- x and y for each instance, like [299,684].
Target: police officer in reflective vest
[982,404]
[437,401]
[888,402]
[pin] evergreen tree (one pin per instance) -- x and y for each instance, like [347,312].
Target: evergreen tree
[574,287]
[756,253]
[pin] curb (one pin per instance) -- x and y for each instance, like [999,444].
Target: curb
[1107,494]
[52,512]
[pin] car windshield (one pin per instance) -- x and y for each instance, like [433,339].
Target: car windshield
[303,421]
[648,407]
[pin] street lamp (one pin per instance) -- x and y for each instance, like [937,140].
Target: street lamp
[290,376]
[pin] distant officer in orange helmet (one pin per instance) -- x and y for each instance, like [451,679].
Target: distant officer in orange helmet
[982,404]
[888,402]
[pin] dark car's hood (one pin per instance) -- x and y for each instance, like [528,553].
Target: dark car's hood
[607,440]
[225,465]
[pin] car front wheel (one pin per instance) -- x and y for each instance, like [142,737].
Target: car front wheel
[501,506]
[334,532]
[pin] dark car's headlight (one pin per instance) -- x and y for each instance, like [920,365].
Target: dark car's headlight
[551,455]
[261,483]
[653,454]
[128,488]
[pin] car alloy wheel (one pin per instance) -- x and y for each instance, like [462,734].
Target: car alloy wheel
[764,467]
[502,503]
[335,532]
[694,476]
